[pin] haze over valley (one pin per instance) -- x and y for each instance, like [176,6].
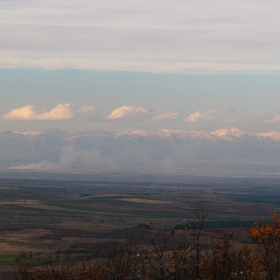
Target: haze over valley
[224,152]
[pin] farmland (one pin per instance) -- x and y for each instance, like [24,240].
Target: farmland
[74,214]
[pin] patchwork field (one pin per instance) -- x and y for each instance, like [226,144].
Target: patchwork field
[64,214]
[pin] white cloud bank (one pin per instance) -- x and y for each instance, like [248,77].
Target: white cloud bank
[128,113]
[155,36]
[63,111]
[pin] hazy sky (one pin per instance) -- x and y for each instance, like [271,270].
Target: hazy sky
[126,65]
[140,65]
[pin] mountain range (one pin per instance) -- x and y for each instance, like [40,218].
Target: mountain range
[221,152]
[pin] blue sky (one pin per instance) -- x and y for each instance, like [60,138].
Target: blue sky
[136,65]
[167,100]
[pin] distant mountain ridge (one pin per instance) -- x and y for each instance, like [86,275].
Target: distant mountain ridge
[226,134]
[158,151]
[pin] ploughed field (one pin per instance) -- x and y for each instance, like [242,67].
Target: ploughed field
[43,214]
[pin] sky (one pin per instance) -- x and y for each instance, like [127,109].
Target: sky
[120,66]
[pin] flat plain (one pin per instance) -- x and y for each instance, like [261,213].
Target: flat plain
[76,214]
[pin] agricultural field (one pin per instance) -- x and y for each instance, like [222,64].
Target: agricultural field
[44,214]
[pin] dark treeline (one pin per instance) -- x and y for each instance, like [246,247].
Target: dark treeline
[182,254]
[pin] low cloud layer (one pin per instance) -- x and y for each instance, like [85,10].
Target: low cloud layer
[60,112]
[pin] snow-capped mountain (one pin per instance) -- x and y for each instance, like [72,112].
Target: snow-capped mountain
[144,151]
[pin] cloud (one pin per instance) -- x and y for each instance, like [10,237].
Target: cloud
[66,158]
[194,117]
[28,112]
[42,165]
[63,111]
[274,120]
[128,113]
[170,116]
[86,109]
[163,36]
